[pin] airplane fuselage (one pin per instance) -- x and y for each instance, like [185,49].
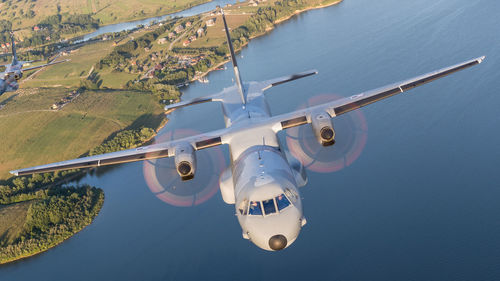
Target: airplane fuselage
[261,182]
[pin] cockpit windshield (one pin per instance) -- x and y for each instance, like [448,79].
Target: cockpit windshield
[268,207]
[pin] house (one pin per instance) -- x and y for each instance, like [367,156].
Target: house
[210,22]
[36,28]
[178,29]
[200,32]
[188,24]
[185,43]
[192,38]
[3,46]
[171,35]
[162,40]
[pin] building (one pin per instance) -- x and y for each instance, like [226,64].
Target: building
[162,40]
[178,29]
[200,32]
[210,22]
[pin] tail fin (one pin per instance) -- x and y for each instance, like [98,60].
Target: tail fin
[233,60]
[14,55]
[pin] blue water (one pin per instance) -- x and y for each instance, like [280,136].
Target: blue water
[422,202]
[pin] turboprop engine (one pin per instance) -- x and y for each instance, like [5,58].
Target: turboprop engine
[185,161]
[323,128]
[18,75]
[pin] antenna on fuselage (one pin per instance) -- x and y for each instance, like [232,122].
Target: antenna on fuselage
[233,60]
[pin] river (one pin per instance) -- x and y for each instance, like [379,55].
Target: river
[417,199]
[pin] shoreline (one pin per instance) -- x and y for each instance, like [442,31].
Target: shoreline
[276,22]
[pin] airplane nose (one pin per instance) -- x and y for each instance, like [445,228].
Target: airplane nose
[277,242]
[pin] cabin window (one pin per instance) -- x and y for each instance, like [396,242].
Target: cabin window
[282,202]
[269,207]
[255,209]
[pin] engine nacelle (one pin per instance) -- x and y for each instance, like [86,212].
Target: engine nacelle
[18,75]
[323,128]
[185,161]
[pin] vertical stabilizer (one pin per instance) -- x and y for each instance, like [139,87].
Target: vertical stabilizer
[14,55]
[233,60]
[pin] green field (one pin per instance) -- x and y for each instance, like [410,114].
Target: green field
[33,134]
[12,219]
[70,73]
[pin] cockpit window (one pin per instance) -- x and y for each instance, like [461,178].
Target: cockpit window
[269,207]
[282,202]
[255,209]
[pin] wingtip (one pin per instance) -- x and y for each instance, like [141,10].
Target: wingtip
[15,173]
[481,59]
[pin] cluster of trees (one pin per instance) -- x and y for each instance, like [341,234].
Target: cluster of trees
[5,28]
[53,27]
[21,189]
[124,140]
[160,90]
[55,215]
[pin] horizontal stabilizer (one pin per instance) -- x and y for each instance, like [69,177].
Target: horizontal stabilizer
[281,80]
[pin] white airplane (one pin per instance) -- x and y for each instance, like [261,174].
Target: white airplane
[14,71]
[261,183]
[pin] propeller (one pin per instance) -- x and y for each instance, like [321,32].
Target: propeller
[351,136]
[163,180]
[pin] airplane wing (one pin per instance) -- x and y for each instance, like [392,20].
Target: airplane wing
[43,65]
[161,150]
[277,123]
[345,105]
